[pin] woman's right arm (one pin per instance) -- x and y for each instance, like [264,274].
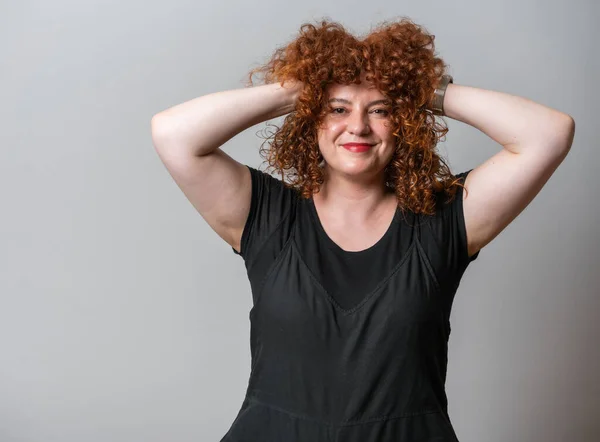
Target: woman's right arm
[187,138]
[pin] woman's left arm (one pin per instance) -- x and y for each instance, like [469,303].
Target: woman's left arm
[535,140]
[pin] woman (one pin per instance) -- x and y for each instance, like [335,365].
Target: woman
[355,259]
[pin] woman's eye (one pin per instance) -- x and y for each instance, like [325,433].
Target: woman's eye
[383,111]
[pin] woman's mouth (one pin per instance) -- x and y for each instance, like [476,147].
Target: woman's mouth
[357,147]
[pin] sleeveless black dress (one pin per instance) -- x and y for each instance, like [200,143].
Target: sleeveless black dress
[347,346]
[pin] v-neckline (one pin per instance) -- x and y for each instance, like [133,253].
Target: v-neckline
[371,294]
[349,253]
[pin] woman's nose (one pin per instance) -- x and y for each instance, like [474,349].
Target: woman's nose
[358,123]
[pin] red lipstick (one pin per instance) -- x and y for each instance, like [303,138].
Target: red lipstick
[357,147]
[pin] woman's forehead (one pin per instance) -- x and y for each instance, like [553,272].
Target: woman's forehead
[354,92]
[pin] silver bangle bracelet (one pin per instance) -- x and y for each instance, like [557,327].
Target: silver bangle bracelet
[437,106]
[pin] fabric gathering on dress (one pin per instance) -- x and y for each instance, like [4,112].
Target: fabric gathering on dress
[347,346]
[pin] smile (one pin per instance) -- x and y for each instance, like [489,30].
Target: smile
[355,147]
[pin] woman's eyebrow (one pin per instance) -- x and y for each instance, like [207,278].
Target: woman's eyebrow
[343,100]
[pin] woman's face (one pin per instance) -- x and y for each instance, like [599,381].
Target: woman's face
[356,114]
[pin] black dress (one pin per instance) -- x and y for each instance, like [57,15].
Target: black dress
[347,346]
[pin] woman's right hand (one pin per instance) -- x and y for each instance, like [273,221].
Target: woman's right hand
[294,87]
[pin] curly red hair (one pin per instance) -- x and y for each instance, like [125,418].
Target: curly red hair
[398,59]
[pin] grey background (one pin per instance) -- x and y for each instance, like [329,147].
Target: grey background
[124,317]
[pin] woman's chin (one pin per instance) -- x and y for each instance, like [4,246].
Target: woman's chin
[357,168]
